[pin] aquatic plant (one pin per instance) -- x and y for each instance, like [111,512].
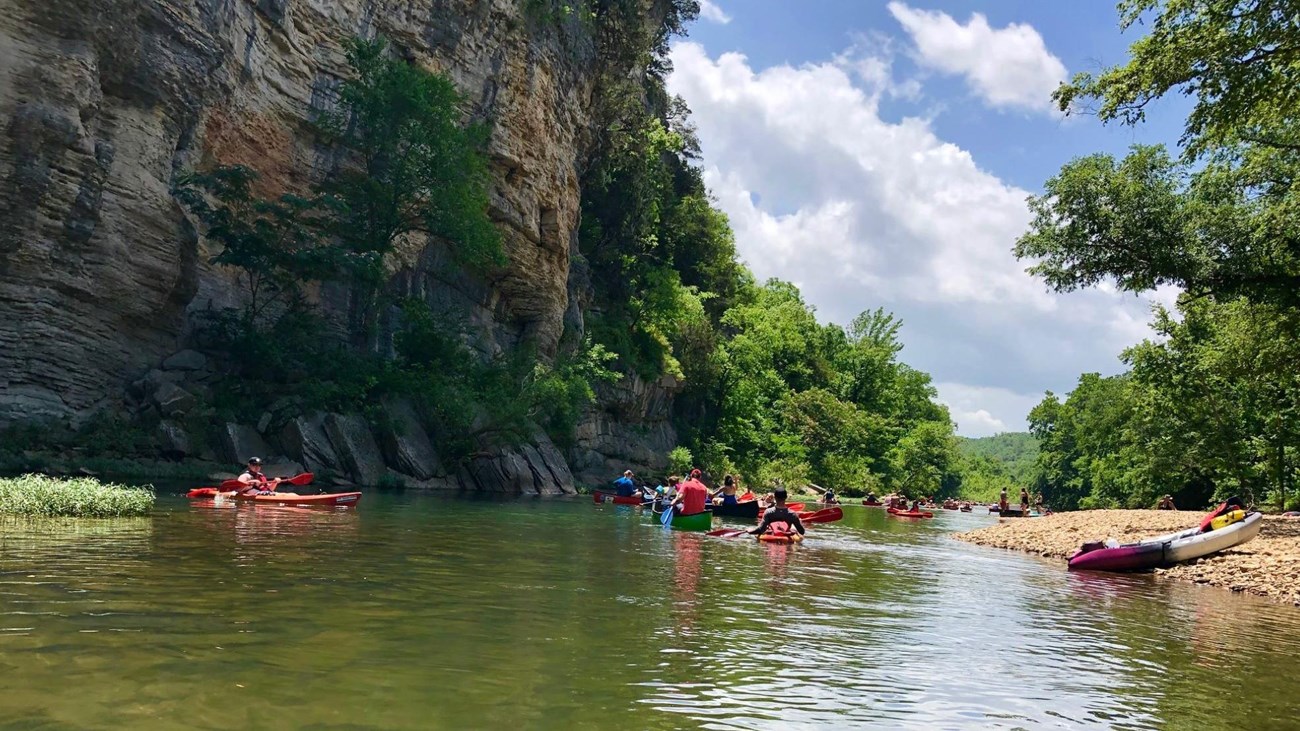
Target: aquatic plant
[74,496]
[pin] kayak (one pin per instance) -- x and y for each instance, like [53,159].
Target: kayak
[334,499]
[1167,549]
[747,509]
[908,514]
[780,537]
[873,503]
[604,497]
[697,522]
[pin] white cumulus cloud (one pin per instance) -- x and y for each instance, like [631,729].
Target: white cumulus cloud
[861,211]
[709,10]
[1008,67]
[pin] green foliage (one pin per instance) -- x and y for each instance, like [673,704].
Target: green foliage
[73,497]
[408,168]
[680,461]
[989,464]
[1210,407]
[1221,220]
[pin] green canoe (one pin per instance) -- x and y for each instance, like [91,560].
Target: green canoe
[699,521]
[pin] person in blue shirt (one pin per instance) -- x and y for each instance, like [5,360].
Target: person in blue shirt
[624,485]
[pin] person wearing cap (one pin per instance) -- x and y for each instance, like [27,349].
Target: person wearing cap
[253,477]
[691,495]
[624,486]
[778,518]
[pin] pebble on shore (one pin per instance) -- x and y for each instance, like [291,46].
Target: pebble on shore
[1268,566]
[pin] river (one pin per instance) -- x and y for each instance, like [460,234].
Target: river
[421,612]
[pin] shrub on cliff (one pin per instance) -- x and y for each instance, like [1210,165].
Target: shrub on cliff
[407,167]
[76,497]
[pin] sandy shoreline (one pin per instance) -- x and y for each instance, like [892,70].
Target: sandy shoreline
[1268,566]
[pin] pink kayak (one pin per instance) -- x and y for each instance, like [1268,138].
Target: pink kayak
[1165,550]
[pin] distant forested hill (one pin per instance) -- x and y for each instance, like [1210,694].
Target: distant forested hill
[991,463]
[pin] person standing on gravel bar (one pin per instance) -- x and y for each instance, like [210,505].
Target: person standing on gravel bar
[1024,501]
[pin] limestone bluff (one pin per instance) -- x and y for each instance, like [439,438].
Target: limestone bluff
[104,102]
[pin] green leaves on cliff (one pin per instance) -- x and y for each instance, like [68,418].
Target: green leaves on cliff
[405,167]
[406,171]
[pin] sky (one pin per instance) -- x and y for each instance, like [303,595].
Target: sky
[880,154]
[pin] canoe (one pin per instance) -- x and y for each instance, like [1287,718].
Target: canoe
[747,509]
[697,522]
[908,514]
[335,499]
[1167,549]
[873,504]
[604,497]
[780,537]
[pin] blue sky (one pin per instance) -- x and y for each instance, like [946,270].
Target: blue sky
[879,154]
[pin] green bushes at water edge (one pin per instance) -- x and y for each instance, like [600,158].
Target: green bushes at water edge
[40,495]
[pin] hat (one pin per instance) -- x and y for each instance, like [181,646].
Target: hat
[254,460]
[695,473]
[627,472]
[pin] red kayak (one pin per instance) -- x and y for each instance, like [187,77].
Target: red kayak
[908,513]
[604,497]
[873,503]
[335,499]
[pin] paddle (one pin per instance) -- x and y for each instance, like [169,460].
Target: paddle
[727,533]
[667,517]
[828,515]
[303,479]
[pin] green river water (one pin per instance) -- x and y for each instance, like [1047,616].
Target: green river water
[414,612]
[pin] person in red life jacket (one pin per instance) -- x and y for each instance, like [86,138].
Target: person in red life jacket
[778,519]
[691,495]
[254,478]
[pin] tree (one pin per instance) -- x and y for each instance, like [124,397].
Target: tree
[1218,221]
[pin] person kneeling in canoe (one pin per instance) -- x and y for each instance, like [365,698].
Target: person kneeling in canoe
[778,519]
[256,480]
[692,495]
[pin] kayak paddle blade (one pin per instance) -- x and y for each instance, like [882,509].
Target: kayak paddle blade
[667,518]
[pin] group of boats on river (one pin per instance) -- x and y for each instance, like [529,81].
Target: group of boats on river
[688,505]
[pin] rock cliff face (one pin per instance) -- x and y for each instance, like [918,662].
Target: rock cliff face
[104,102]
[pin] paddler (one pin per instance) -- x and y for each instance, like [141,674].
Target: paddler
[254,478]
[691,495]
[778,518]
[625,486]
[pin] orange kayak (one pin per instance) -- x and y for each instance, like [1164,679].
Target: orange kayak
[780,538]
[334,499]
[908,514]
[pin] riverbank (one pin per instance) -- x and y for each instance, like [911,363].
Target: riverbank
[1268,566]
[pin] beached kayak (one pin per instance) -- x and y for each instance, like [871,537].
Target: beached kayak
[1167,549]
[604,497]
[699,521]
[908,513]
[334,499]
[747,509]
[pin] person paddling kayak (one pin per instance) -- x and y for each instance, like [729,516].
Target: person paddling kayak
[691,495]
[254,478]
[778,518]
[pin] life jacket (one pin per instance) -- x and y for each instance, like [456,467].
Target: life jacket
[780,528]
